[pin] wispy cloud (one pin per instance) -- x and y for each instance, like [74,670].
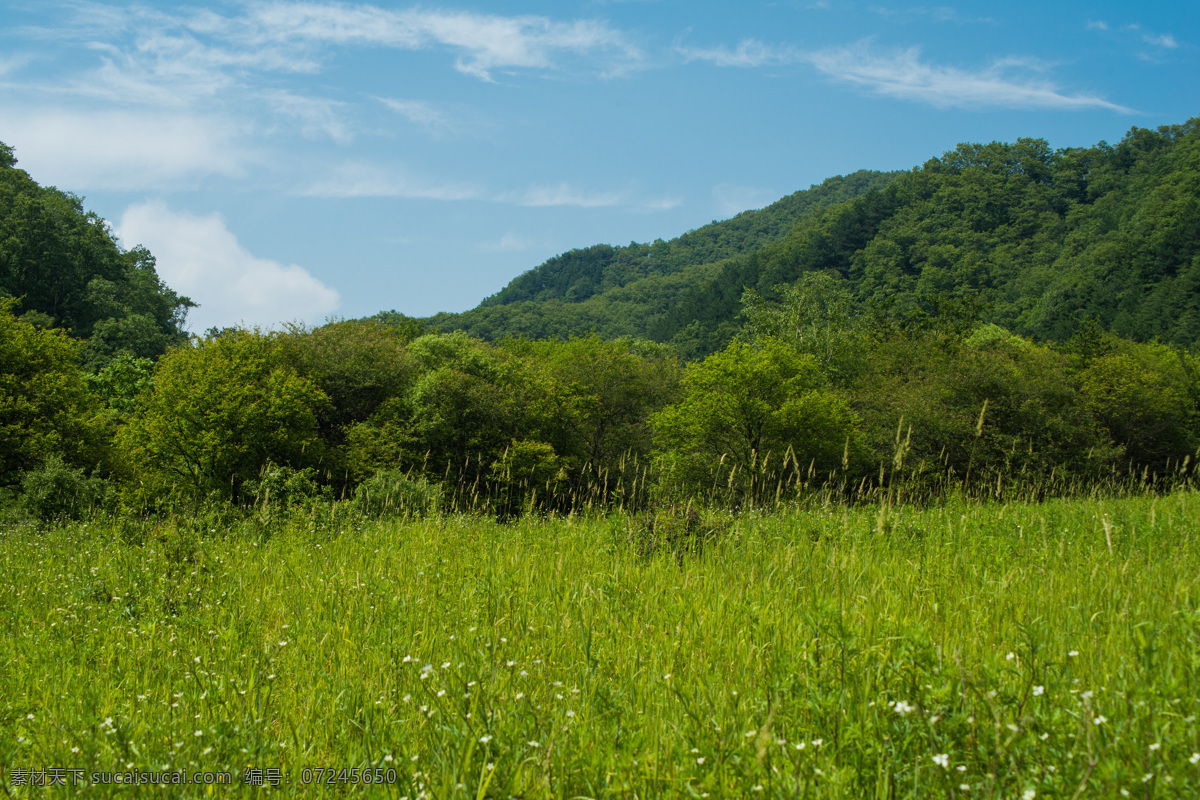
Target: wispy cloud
[201,258]
[358,179]
[1097,25]
[483,42]
[510,243]
[934,13]
[748,53]
[422,114]
[564,194]
[317,117]
[1166,40]
[905,75]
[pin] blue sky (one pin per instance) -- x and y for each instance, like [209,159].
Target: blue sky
[298,160]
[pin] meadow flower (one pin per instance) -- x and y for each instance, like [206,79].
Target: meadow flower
[1029,794]
[1195,759]
[1038,691]
[942,760]
[1100,720]
[487,737]
[903,708]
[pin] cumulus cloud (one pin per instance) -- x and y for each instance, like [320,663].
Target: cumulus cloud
[123,149]
[200,257]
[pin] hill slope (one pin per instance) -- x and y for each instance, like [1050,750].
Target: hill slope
[1040,239]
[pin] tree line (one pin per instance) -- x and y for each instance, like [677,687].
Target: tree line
[805,398]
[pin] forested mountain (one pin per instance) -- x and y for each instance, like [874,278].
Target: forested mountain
[1037,240]
[65,271]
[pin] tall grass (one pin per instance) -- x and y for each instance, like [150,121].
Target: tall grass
[959,650]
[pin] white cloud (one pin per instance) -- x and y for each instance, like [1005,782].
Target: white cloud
[419,113]
[509,243]
[485,42]
[748,53]
[122,149]
[366,180]
[318,117]
[199,257]
[902,74]
[563,194]
[1097,25]
[1166,40]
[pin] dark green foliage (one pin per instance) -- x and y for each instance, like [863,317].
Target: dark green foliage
[752,419]
[56,491]
[63,263]
[218,412]
[359,365]
[45,408]
[607,391]
[121,381]
[394,492]
[279,488]
[672,529]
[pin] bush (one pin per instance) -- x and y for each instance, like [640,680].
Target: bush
[282,487]
[396,493]
[57,491]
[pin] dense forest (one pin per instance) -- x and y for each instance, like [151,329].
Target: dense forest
[1041,240]
[1004,319]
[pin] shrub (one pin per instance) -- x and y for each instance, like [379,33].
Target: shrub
[282,487]
[394,492]
[57,491]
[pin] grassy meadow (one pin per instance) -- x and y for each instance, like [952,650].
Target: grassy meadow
[959,650]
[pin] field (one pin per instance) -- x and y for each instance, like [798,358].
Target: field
[960,650]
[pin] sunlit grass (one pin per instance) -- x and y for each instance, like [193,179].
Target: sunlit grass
[963,650]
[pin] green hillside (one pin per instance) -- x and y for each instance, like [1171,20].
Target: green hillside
[1038,240]
[612,289]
